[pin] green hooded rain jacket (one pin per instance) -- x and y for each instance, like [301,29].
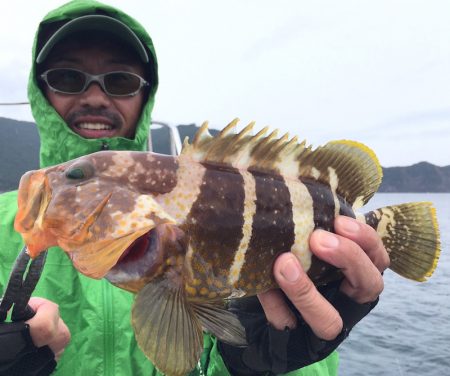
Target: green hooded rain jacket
[97,313]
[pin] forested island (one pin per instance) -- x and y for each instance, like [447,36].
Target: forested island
[19,152]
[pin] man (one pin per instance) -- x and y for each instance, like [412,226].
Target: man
[91,88]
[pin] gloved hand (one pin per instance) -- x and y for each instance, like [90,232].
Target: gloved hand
[32,348]
[271,351]
[19,356]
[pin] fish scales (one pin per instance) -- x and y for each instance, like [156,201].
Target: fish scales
[272,232]
[346,209]
[215,227]
[216,221]
[324,209]
[184,233]
[323,204]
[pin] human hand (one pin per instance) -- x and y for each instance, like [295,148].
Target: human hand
[356,249]
[47,327]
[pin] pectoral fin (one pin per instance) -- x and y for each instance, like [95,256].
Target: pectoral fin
[166,327]
[216,319]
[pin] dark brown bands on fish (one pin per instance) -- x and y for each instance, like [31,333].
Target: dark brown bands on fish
[272,230]
[215,222]
[345,208]
[372,219]
[323,204]
[324,215]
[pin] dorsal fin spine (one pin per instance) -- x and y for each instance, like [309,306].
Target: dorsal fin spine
[201,134]
[236,143]
[229,129]
[354,166]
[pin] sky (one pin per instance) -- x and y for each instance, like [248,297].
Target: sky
[377,72]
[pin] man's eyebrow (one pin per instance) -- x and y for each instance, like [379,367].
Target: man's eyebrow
[62,58]
[122,60]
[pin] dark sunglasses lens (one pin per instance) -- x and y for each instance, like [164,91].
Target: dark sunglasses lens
[122,83]
[66,80]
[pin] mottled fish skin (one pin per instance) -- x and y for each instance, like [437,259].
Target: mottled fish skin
[234,218]
[214,225]
[236,221]
[240,221]
[94,202]
[272,232]
[184,233]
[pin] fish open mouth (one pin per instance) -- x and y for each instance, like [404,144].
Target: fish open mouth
[137,249]
[138,262]
[146,257]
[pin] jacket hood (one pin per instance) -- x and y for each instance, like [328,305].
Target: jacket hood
[58,142]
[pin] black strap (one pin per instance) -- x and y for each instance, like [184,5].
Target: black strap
[19,356]
[271,351]
[22,281]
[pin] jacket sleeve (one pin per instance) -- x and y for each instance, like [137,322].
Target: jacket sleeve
[271,351]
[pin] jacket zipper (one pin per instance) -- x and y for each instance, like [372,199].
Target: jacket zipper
[108,330]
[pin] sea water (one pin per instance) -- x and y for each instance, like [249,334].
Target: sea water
[408,332]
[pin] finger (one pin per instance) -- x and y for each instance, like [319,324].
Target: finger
[277,312]
[366,237]
[363,281]
[317,312]
[61,340]
[44,324]
[36,302]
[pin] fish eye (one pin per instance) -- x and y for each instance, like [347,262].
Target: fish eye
[79,171]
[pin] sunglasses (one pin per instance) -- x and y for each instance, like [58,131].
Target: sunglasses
[73,81]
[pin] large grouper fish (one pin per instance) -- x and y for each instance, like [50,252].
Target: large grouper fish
[186,233]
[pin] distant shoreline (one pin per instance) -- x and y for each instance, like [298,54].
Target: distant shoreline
[18,135]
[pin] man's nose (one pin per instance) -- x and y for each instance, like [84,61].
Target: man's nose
[94,96]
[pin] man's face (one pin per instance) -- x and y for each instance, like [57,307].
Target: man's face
[94,114]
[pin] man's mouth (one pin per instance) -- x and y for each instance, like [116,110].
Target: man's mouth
[94,126]
[95,130]
[95,123]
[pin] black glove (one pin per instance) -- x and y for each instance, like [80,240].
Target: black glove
[19,356]
[271,351]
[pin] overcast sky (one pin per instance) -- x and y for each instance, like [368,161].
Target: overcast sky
[374,71]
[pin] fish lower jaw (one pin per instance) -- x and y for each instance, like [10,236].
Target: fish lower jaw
[128,278]
[120,277]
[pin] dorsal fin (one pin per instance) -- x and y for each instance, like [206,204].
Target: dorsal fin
[349,167]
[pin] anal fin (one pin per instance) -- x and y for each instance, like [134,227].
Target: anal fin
[166,327]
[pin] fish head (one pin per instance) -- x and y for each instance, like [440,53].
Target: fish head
[93,207]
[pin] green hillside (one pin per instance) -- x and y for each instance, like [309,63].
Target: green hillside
[19,152]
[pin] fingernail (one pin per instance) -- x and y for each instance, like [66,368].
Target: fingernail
[349,224]
[290,269]
[328,240]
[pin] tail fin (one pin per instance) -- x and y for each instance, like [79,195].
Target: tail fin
[410,233]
